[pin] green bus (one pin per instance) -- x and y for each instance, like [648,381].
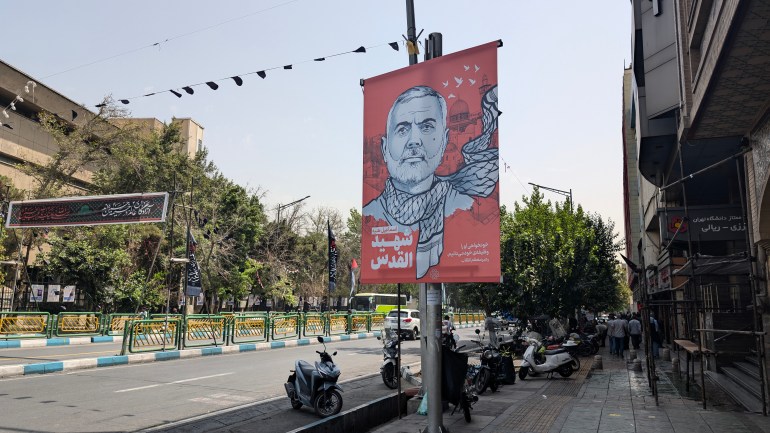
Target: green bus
[379,302]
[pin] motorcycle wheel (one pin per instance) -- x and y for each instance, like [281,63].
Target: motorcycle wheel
[523,372]
[482,380]
[493,385]
[466,407]
[565,370]
[585,349]
[389,376]
[327,406]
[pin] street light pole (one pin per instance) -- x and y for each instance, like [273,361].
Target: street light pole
[567,194]
[281,207]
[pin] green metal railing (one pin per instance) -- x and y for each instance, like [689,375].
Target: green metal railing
[313,324]
[250,328]
[204,330]
[151,335]
[77,324]
[283,326]
[339,323]
[15,325]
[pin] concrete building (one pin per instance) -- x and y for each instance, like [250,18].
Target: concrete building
[23,141]
[699,115]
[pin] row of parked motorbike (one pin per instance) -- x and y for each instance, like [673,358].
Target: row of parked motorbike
[316,385]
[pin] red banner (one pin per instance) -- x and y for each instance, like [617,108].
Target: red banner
[430,196]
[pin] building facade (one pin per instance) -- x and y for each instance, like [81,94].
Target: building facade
[24,142]
[697,226]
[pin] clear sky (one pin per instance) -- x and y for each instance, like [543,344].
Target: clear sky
[299,132]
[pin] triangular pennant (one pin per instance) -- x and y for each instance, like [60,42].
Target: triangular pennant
[394,45]
[74,114]
[100,105]
[213,85]
[262,74]
[287,67]
[320,59]
[188,89]
[125,101]
[360,49]
[149,94]
[177,94]
[237,80]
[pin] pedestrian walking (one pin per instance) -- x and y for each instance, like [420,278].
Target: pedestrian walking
[611,333]
[635,331]
[601,330]
[618,330]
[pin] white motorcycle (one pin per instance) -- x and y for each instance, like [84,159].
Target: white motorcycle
[537,360]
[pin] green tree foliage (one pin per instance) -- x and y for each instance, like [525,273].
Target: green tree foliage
[555,260]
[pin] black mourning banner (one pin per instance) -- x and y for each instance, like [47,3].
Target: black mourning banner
[193,271]
[88,210]
[332,259]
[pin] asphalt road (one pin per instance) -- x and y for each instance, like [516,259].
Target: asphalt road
[141,396]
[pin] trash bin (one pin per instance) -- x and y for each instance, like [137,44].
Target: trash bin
[508,371]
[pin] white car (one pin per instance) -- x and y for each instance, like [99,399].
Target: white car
[410,323]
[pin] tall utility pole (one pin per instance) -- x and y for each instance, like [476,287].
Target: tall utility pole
[430,294]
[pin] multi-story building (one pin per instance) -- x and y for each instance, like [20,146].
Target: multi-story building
[697,149]
[24,142]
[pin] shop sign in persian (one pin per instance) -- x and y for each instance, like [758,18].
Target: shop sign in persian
[88,210]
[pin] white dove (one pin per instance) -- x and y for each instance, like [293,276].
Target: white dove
[458,81]
[451,95]
[477,67]
[472,81]
[466,67]
[445,83]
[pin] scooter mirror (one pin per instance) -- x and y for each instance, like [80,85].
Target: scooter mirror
[379,338]
[320,339]
[478,332]
[335,353]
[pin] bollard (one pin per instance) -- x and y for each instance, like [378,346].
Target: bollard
[632,354]
[665,355]
[597,365]
[636,365]
[675,366]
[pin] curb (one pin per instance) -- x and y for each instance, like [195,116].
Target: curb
[60,341]
[109,361]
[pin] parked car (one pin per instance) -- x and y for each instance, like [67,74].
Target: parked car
[410,323]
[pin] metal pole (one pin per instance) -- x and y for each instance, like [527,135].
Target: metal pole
[398,346]
[411,31]
[757,322]
[432,370]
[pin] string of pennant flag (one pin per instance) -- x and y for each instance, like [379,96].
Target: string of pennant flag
[18,98]
[238,79]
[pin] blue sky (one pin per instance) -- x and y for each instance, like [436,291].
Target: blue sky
[299,132]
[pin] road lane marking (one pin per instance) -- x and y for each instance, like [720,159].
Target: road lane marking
[141,387]
[172,383]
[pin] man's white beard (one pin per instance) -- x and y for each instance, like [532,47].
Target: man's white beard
[412,173]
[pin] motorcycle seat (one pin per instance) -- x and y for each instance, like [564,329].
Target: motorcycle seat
[306,368]
[555,351]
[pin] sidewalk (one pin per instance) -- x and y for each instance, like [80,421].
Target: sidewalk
[610,400]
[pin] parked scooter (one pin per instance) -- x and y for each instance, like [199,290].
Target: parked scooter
[460,390]
[389,368]
[538,360]
[316,386]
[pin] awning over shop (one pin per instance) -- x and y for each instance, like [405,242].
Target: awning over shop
[734,264]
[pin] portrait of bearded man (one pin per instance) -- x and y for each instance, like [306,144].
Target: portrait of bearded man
[414,197]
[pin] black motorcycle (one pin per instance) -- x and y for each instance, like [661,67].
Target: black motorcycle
[316,386]
[491,373]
